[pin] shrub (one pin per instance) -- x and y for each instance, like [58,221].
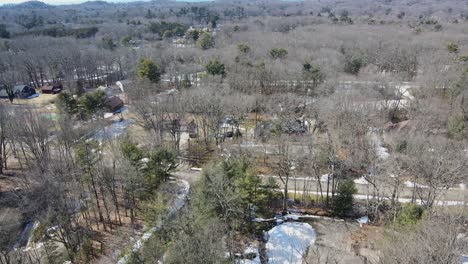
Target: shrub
[353,65]
[278,53]
[214,67]
[243,48]
[452,48]
[409,214]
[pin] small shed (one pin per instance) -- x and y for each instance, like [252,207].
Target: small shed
[52,88]
[114,103]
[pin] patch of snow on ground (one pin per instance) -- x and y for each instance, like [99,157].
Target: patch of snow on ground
[288,242]
[363,220]
[249,250]
[292,217]
[464,259]
[381,151]
[112,131]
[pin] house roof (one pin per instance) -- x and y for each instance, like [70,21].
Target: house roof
[47,87]
[16,89]
[19,88]
[50,87]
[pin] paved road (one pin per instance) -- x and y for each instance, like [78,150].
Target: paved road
[452,196]
[300,184]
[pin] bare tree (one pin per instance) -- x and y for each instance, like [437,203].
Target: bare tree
[437,163]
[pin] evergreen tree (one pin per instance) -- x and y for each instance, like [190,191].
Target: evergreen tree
[205,41]
[149,69]
[343,202]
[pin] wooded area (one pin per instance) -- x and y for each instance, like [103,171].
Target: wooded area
[177,132]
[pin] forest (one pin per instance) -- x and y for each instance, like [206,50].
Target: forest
[244,132]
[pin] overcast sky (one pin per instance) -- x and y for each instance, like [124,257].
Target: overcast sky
[56,2]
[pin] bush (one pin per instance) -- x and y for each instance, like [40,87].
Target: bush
[243,48]
[353,65]
[409,214]
[452,48]
[278,53]
[214,67]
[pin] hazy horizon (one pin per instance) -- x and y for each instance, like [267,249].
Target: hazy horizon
[64,2]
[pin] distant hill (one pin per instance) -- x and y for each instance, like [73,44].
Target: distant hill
[29,4]
[95,3]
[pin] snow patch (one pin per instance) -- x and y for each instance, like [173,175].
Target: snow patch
[381,151]
[363,220]
[288,242]
[292,217]
[411,184]
[112,131]
[252,249]
[464,259]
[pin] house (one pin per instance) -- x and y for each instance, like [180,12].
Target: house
[114,103]
[52,88]
[20,91]
[229,127]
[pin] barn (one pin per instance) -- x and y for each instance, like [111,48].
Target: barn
[52,88]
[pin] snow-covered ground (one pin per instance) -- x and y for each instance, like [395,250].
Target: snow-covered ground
[249,250]
[288,242]
[464,259]
[363,220]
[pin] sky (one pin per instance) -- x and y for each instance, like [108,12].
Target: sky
[57,2]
